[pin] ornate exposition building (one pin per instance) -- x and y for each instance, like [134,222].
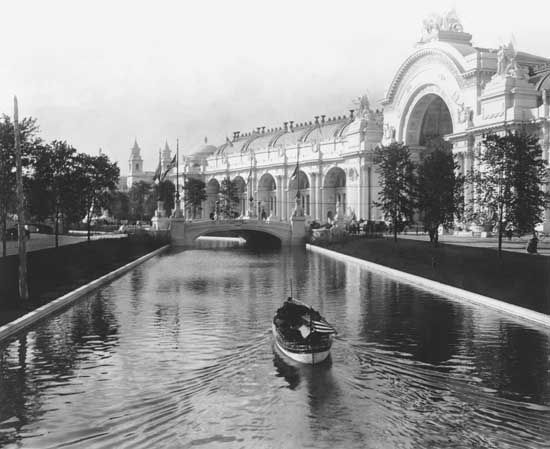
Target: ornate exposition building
[446,87]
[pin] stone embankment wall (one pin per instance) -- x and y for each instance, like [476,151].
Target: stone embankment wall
[55,271]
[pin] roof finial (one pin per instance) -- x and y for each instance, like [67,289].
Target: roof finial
[205,140]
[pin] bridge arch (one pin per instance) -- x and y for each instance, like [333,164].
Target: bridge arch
[186,232]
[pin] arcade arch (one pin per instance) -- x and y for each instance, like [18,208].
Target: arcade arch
[212,194]
[267,195]
[241,190]
[334,189]
[300,182]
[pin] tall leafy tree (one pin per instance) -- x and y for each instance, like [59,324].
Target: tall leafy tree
[229,191]
[440,188]
[141,199]
[119,205]
[508,185]
[165,191]
[397,181]
[55,185]
[97,177]
[30,142]
[195,194]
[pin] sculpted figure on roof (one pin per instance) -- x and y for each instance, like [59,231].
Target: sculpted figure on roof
[436,22]
[507,64]
[451,22]
[363,107]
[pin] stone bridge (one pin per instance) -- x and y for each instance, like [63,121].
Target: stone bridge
[289,233]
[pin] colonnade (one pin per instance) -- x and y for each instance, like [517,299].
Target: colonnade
[346,190]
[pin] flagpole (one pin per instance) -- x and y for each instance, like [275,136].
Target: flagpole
[298,169]
[23,286]
[177,211]
[158,185]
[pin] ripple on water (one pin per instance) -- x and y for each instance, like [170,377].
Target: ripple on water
[178,353]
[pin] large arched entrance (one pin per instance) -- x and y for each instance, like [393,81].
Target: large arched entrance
[430,118]
[267,196]
[334,192]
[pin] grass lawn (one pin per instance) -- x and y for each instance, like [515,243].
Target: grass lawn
[516,278]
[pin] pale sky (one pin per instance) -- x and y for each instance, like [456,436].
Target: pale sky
[100,73]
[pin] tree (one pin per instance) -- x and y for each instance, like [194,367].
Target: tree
[54,185]
[508,185]
[165,191]
[119,205]
[140,196]
[229,190]
[97,177]
[440,188]
[30,142]
[397,182]
[195,194]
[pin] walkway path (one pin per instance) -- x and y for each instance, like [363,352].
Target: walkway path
[41,241]
[517,244]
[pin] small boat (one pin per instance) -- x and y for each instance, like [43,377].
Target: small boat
[301,333]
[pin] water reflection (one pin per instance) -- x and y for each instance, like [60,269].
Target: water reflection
[179,353]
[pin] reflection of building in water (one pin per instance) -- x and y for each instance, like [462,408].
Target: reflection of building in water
[446,87]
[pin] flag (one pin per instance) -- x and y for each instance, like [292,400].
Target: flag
[322,327]
[156,177]
[228,141]
[169,167]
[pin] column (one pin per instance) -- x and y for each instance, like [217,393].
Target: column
[321,205]
[369,192]
[313,196]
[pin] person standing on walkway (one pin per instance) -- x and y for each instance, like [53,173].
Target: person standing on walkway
[532,245]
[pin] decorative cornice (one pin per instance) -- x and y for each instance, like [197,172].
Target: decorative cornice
[452,62]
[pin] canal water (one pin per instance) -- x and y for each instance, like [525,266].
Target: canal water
[178,354]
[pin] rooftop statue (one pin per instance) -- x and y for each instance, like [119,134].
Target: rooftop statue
[507,64]
[364,110]
[364,104]
[437,22]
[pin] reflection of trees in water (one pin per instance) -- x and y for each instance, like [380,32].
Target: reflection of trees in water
[136,285]
[20,401]
[335,273]
[197,285]
[167,318]
[410,321]
[56,347]
[231,284]
[518,365]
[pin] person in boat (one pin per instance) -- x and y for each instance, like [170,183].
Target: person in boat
[292,315]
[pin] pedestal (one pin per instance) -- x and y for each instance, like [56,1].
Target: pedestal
[160,222]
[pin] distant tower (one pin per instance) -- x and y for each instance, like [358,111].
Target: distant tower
[166,156]
[135,163]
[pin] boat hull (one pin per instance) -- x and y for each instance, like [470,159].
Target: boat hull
[307,353]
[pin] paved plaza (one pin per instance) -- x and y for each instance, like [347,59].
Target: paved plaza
[516,244]
[42,241]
